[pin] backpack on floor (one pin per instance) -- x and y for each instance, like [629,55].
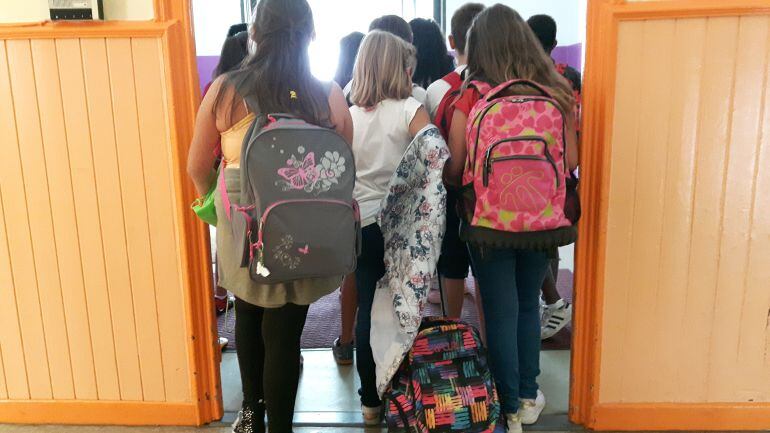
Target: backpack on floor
[444,385]
[516,166]
[296,214]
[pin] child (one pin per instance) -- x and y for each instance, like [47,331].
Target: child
[510,271]
[454,261]
[269,317]
[433,58]
[342,349]
[385,119]
[556,312]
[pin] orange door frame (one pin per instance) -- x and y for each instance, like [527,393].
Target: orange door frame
[184,95]
[599,96]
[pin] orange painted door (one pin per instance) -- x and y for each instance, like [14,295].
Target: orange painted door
[674,258]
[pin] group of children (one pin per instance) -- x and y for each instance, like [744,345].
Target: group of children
[383,106]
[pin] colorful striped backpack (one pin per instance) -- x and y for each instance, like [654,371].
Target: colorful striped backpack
[444,385]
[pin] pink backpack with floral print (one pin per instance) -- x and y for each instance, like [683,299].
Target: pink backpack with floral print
[516,162]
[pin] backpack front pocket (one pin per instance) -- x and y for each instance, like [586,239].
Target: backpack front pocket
[302,238]
[519,180]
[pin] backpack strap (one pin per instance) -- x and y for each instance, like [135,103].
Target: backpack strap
[492,94]
[481,86]
[445,110]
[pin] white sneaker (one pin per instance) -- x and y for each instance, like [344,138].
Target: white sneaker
[529,410]
[554,318]
[372,415]
[513,422]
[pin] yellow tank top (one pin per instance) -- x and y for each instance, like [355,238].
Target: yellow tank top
[232,140]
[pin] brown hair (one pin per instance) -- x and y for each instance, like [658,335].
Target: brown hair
[393,24]
[461,22]
[277,75]
[382,69]
[502,47]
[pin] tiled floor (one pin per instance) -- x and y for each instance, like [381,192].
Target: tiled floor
[328,393]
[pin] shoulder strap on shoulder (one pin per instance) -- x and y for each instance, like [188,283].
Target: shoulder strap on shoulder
[454,80]
[482,87]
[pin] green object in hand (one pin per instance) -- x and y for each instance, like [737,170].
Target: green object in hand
[204,207]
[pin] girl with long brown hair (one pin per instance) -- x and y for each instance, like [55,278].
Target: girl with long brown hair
[501,47]
[276,78]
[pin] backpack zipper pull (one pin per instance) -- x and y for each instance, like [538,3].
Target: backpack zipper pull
[261,268]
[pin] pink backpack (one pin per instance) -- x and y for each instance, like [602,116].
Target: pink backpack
[516,163]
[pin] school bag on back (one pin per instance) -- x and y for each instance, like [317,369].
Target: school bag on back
[296,214]
[446,109]
[516,166]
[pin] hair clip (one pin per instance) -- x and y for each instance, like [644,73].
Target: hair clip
[292,94]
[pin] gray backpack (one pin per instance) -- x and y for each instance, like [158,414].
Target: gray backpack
[296,215]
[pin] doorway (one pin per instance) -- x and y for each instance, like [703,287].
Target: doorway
[339,405]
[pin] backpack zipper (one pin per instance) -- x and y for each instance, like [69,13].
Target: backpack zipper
[516,99]
[489,161]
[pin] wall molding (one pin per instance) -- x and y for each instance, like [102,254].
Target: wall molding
[97,412]
[681,416]
[88,29]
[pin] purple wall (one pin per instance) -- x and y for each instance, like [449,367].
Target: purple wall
[206,65]
[569,54]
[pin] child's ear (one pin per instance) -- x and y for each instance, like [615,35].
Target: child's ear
[452,44]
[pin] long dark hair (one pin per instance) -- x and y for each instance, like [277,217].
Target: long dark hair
[348,51]
[502,47]
[433,58]
[277,75]
[234,50]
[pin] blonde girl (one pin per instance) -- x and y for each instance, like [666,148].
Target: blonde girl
[385,120]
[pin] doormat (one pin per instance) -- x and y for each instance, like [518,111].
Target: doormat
[323,319]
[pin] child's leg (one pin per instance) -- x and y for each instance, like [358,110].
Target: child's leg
[348,306]
[370,269]
[531,268]
[494,269]
[454,261]
[282,331]
[250,351]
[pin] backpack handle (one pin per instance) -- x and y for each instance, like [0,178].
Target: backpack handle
[502,87]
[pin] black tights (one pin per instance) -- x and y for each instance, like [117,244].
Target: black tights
[267,342]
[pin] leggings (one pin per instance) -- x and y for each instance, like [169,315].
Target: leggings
[268,347]
[371,267]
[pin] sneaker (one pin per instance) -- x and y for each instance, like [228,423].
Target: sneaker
[343,353]
[554,318]
[372,415]
[513,422]
[220,303]
[434,296]
[223,341]
[530,409]
[250,420]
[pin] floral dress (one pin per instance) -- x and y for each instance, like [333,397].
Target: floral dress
[412,222]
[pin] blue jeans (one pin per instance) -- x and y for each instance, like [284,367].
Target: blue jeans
[510,282]
[371,267]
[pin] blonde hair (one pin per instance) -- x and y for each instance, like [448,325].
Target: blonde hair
[382,70]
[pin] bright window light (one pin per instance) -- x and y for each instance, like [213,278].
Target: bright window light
[334,19]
